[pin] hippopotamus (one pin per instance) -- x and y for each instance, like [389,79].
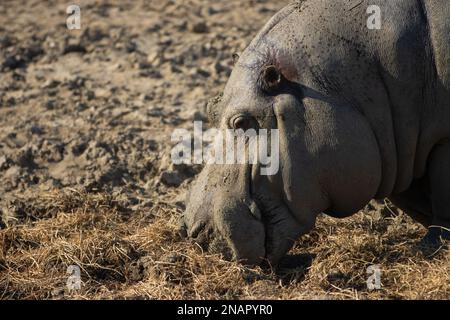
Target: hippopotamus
[362,114]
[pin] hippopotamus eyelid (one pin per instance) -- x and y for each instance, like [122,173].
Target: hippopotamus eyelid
[244,122]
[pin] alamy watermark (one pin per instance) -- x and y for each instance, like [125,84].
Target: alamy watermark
[374,280]
[228,146]
[73,21]
[74,280]
[374,19]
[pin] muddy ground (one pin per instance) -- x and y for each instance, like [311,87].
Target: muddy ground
[86,179]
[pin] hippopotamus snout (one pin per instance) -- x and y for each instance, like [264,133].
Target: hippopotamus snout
[235,211]
[222,218]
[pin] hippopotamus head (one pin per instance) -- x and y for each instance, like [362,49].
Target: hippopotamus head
[328,156]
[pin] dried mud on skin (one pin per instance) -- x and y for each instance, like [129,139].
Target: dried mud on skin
[86,179]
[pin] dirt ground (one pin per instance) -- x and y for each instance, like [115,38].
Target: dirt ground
[86,179]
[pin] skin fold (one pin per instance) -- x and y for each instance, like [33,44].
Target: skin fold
[361,114]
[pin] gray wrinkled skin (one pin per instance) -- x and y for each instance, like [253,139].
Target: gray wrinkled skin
[362,114]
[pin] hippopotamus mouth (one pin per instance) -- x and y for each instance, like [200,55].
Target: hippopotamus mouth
[274,215]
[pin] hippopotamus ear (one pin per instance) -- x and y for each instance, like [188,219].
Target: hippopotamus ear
[270,79]
[213,109]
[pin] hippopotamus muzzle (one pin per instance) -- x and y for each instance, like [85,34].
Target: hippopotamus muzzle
[223,215]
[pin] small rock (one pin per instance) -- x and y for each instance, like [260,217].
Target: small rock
[131,46]
[209,11]
[76,83]
[220,68]
[13,62]
[3,162]
[153,28]
[111,175]
[74,48]
[154,58]
[13,174]
[146,97]
[165,41]
[181,25]
[171,179]
[156,112]
[5,41]
[80,106]
[102,93]
[11,102]
[50,104]
[200,27]
[143,65]
[25,159]
[90,95]
[79,149]
[51,83]
[200,72]
[199,116]
[36,130]
[94,34]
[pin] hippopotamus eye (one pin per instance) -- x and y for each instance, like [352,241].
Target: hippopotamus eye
[270,79]
[243,122]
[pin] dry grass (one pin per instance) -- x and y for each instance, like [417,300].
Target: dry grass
[138,254]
